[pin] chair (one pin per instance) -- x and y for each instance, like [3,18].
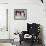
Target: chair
[33,30]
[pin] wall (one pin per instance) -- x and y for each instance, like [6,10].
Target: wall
[3,1]
[35,14]
[3,34]
[3,21]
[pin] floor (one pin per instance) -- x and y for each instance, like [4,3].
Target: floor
[22,44]
[5,44]
[26,44]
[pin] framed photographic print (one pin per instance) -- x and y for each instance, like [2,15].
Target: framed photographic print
[20,14]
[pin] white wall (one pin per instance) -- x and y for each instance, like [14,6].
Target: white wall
[3,1]
[3,21]
[3,34]
[35,13]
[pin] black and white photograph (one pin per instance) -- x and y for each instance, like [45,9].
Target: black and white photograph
[20,14]
[22,22]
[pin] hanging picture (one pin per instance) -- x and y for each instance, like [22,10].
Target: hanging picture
[20,14]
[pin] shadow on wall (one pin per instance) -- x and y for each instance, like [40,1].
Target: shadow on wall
[41,35]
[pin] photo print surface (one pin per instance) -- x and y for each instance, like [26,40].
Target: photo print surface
[20,14]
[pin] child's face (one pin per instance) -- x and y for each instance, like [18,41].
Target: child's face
[18,14]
